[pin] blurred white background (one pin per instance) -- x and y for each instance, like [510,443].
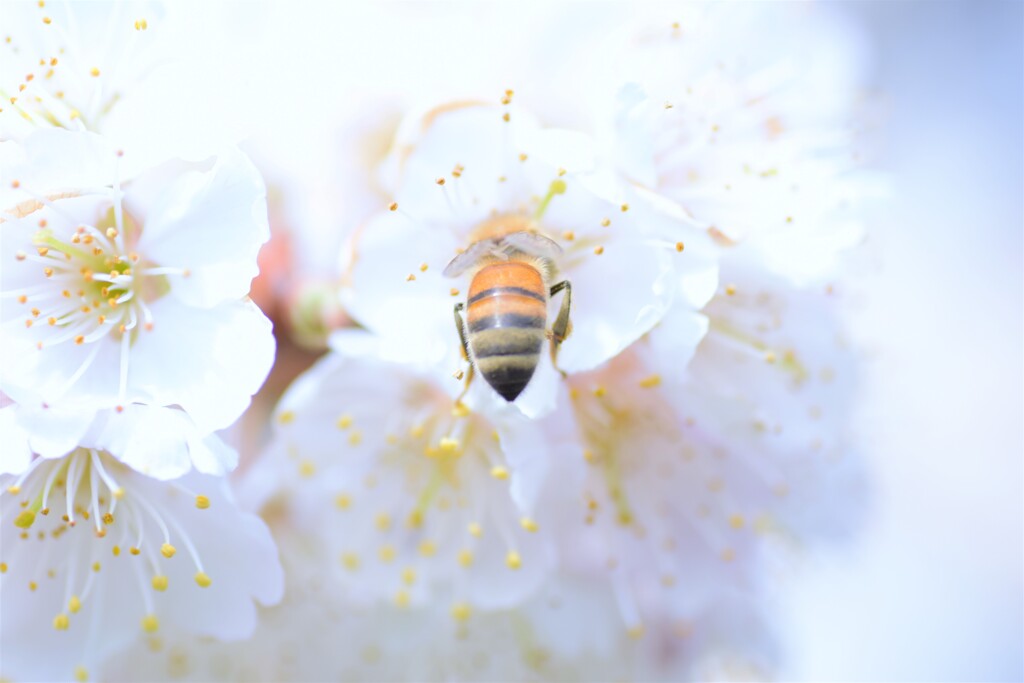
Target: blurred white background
[932,587]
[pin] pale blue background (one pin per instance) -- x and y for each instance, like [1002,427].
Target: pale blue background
[933,588]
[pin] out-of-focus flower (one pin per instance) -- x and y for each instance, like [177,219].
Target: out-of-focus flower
[700,479]
[746,119]
[568,631]
[132,72]
[94,553]
[466,172]
[702,476]
[408,491]
[121,290]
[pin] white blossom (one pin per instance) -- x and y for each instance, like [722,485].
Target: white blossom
[119,291]
[133,72]
[409,492]
[459,169]
[96,554]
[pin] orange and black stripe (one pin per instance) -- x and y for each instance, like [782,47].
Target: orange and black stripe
[505,321]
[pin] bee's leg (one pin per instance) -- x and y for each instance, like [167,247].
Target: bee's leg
[563,325]
[465,348]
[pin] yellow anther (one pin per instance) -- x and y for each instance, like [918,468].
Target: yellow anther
[598,250]
[61,622]
[134,551]
[600,391]
[466,558]
[202,580]
[116,550]
[475,529]
[409,576]
[624,208]
[448,445]
[383,521]
[14,490]
[386,553]
[344,422]
[589,455]
[3,567]
[416,431]
[730,289]
[460,409]
[119,493]
[523,157]
[636,632]
[96,566]
[680,246]
[513,560]
[499,472]
[505,117]
[651,381]
[415,519]
[737,521]
[74,604]
[32,585]
[111,233]
[350,561]
[168,550]
[569,235]
[202,502]
[160,583]
[286,417]
[355,438]
[770,357]
[410,278]
[81,674]
[461,611]
[423,267]
[528,524]
[25,519]
[402,598]
[393,206]
[150,624]
[342,501]
[307,468]
[428,549]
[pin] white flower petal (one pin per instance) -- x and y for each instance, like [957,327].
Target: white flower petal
[212,224]
[16,454]
[52,161]
[208,361]
[607,320]
[54,431]
[416,314]
[162,443]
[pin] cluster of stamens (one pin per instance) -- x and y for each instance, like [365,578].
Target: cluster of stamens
[432,450]
[55,498]
[89,283]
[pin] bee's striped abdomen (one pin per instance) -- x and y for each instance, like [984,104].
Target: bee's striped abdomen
[505,321]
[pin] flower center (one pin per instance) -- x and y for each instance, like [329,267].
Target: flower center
[95,285]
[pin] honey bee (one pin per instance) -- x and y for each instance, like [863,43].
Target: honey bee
[507,303]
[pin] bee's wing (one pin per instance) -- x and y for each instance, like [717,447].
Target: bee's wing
[467,259]
[533,243]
